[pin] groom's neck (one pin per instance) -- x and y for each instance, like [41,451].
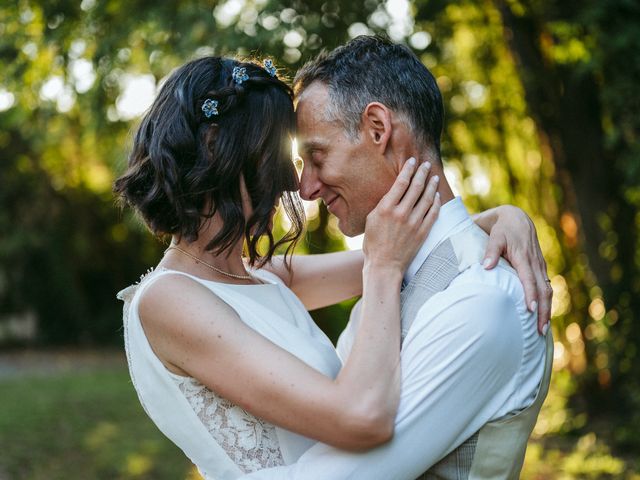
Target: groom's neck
[405,147]
[444,189]
[437,168]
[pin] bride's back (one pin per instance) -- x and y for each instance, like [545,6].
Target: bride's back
[222,439]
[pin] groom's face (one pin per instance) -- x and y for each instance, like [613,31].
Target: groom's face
[350,176]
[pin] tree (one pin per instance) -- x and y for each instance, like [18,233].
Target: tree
[541,100]
[577,62]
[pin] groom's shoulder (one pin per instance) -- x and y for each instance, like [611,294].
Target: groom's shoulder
[469,245]
[490,302]
[476,290]
[501,281]
[476,286]
[477,310]
[486,306]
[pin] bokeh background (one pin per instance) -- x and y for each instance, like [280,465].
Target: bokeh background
[543,111]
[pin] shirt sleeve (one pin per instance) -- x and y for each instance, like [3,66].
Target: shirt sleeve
[459,361]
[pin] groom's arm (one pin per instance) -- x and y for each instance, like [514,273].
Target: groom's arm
[458,366]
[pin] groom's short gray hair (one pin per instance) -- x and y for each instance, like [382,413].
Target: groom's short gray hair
[374,69]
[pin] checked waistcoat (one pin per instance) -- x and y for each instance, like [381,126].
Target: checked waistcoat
[497,450]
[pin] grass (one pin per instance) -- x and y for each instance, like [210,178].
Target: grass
[89,424]
[86,425]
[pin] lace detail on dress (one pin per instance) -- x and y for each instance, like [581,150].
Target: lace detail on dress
[251,443]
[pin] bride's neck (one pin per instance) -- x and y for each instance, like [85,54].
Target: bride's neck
[229,261]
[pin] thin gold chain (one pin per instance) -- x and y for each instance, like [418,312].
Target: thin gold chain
[232,275]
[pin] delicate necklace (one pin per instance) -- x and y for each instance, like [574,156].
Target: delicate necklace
[232,275]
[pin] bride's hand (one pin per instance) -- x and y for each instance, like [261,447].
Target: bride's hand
[401,221]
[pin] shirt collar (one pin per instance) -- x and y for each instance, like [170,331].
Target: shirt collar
[452,215]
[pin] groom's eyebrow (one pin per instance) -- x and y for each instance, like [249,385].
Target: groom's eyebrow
[308,145]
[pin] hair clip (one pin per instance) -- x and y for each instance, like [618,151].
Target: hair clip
[270,67]
[210,107]
[239,75]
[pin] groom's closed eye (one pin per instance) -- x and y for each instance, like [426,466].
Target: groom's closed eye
[311,147]
[313,158]
[317,157]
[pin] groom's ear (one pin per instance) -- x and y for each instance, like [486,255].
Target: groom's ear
[377,126]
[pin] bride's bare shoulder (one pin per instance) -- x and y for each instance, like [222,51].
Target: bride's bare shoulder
[176,304]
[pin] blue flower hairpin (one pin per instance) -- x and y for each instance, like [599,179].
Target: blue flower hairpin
[270,67]
[239,75]
[210,107]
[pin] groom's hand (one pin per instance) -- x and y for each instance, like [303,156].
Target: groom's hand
[513,236]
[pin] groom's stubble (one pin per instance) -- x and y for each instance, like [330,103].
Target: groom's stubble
[349,175]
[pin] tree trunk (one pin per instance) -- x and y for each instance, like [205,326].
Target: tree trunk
[565,104]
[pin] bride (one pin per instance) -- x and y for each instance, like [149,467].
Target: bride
[224,357]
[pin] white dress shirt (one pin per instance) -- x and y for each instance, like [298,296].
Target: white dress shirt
[472,355]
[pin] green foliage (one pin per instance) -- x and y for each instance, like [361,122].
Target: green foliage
[89,424]
[82,425]
[577,62]
[538,96]
[541,98]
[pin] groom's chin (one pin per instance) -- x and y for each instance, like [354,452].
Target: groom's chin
[350,229]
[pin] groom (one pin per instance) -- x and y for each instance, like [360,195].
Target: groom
[474,369]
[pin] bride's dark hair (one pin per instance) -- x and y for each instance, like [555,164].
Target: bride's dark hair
[185,167]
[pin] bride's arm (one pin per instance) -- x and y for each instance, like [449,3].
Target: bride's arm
[322,279]
[325,279]
[195,331]
[513,236]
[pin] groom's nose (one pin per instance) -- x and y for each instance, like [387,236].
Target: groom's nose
[310,184]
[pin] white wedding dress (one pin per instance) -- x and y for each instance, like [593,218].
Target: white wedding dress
[221,439]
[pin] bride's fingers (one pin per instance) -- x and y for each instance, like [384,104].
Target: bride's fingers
[399,187]
[416,188]
[426,200]
[431,217]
